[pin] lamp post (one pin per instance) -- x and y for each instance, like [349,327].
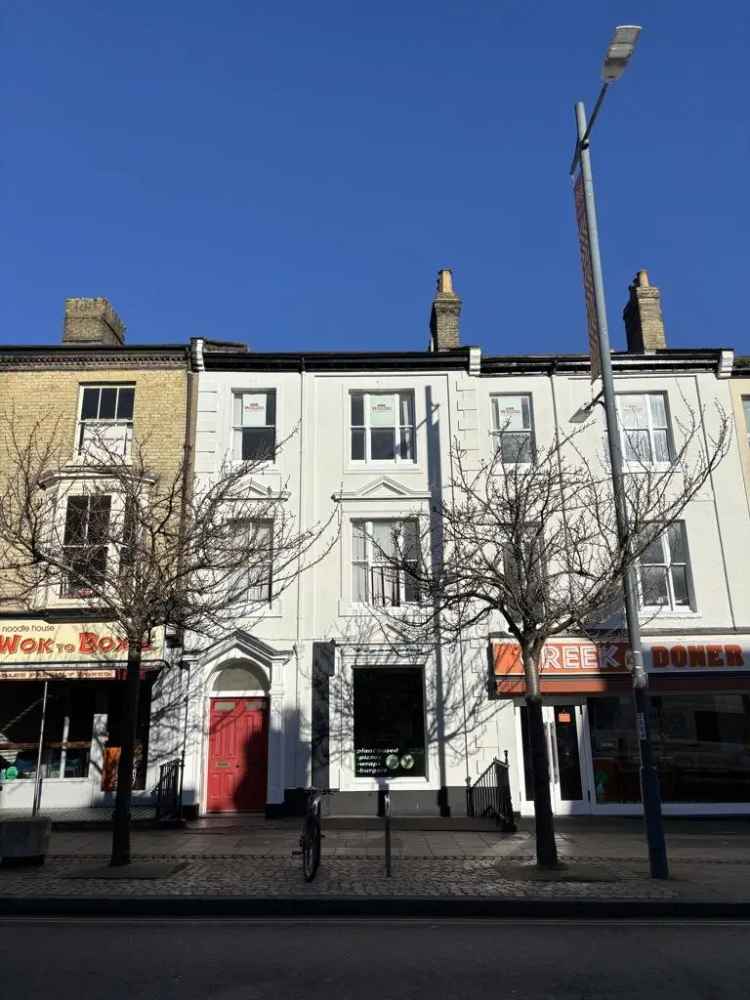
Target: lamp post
[618,54]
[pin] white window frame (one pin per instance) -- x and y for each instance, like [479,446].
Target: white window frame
[65,583]
[497,433]
[366,395]
[81,447]
[253,391]
[371,562]
[667,565]
[634,464]
[76,487]
[253,596]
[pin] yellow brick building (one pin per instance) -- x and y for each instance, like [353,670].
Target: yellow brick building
[93,382]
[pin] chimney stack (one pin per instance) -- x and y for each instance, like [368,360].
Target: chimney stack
[446,310]
[644,323]
[92,321]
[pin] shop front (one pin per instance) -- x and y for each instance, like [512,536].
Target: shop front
[699,714]
[61,713]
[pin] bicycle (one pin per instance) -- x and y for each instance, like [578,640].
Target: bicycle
[312,835]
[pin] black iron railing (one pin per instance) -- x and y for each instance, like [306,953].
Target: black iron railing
[168,791]
[489,796]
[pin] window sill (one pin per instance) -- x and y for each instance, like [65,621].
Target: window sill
[9,782]
[353,784]
[661,612]
[633,468]
[259,465]
[366,466]
[349,609]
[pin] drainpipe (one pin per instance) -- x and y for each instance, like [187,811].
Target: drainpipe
[298,633]
[467,778]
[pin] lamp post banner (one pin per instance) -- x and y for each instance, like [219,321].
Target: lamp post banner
[584,242]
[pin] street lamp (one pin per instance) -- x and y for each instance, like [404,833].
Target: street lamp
[619,52]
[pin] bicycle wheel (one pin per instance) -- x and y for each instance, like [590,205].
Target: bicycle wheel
[310,843]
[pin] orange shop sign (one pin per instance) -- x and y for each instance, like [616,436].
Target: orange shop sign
[34,642]
[564,658]
[570,658]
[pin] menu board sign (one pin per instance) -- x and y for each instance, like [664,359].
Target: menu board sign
[388,762]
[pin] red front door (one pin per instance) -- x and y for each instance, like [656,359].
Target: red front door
[237,755]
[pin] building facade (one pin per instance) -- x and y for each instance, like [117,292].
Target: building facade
[330,701]
[311,689]
[60,661]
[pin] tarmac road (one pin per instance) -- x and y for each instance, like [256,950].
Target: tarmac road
[286,959]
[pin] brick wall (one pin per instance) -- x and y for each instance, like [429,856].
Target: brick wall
[52,392]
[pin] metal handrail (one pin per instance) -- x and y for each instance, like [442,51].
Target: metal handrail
[490,796]
[167,791]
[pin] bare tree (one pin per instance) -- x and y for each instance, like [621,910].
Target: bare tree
[527,544]
[146,550]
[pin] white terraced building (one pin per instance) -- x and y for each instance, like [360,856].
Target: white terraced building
[318,698]
[311,693]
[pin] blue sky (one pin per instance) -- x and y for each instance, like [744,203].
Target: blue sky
[293,174]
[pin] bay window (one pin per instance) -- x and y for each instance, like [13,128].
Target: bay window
[85,543]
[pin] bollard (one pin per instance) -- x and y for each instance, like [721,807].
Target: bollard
[387,814]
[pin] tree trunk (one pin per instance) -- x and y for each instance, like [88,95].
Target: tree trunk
[121,818]
[546,848]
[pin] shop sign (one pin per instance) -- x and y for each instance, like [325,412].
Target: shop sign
[58,675]
[30,642]
[564,658]
[575,657]
[386,763]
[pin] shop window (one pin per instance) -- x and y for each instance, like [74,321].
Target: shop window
[375,579]
[513,428]
[614,750]
[389,732]
[105,420]
[67,730]
[644,427]
[382,427]
[701,745]
[115,724]
[254,426]
[664,570]
[85,542]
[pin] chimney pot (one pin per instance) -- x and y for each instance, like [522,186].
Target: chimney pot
[445,280]
[446,313]
[92,321]
[644,323]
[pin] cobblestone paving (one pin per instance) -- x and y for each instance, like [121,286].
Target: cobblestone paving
[256,863]
[362,876]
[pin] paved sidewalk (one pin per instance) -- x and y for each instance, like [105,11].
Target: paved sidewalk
[235,861]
